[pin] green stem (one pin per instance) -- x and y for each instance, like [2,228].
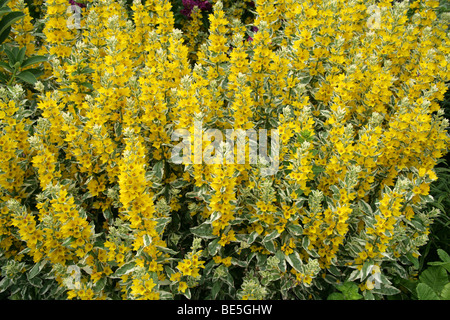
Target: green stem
[13,77]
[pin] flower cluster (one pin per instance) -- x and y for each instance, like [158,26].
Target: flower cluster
[93,205]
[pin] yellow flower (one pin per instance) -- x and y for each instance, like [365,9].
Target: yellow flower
[182,286]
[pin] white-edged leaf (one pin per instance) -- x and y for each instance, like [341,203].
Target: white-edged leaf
[36,269]
[295,229]
[158,169]
[305,243]
[162,223]
[100,284]
[147,240]
[125,269]
[167,250]
[294,260]
[269,245]
[213,247]
[252,237]
[366,208]
[273,235]
[203,231]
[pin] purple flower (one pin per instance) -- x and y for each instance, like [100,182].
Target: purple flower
[188,6]
[253,29]
[81,5]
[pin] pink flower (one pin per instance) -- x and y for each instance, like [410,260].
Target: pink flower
[254,29]
[81,5]
[190,4]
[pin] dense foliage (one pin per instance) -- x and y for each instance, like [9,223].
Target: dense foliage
[94,207]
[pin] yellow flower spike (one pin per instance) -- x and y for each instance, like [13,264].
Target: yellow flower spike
[363,93]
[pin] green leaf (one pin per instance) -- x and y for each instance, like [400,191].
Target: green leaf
[107,214]
[9,19]
[386,290]
[33,60]
[87,70]
[87,85]
[336,296]
[11,56]
[165,295]
[187,293]
[166,250]
[282,264]
[161,224]
[366,269]
[100,284]
[418,224]
[269,245]
[21,55]
[366,208]
[4,34]
[179,183]
[36,269]
[68,241]
[354,296]
[27,76]
[3,77]
[335,190]
[3,2]
[424,292]
[445,294]
[66,90]
[4,10]
[203,231]
[213,247]
[295,229]
[215,289]
[435,277]
[158,169]
[334,271]
[273,235]
[305,243]
[274,276]
[5,283]
[228,279]
[368,295]
[5,66]
[240,263]
[443,255]
[294,260]
[413,260]
[317,169]
[445,265]
[36,282]
[347,287]
[305,80]
[147,240]
[330,279]
[36,72]
[118,128]
[124,269]
[349,290]
[252,237]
